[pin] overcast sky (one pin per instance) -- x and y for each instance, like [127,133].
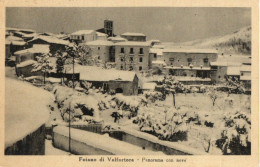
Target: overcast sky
[165,24]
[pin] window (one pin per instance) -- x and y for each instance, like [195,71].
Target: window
[131,68]
[242,74]
[206,60]
[121,67]
[131,50]
[140,68]
[171,63]
[98,48]
[141,51]
[171,59]
[78,37]
[155,56]
[98,57]
[122,59]
[131,59]
[140,59]
[189,60]
[82,37]
[122,50]
[219,76]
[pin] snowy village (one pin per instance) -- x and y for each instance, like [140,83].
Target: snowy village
[97,92]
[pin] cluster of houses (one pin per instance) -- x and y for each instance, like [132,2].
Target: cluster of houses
[131,53]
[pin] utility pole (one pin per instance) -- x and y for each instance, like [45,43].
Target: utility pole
[69,130]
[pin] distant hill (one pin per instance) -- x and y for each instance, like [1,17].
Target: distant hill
[238,42]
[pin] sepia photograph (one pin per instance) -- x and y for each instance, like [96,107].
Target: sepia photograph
[128,81]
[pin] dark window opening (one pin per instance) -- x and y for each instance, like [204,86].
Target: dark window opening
[98,48]
[131,59]
[122,50]
[119,90]
[140,68]
[131,68]
[155,56]
[141,51]
[121,67]
[189,60]
[122,59]
[140,59]
[131,50]
[171,59]
[83,38]
[206,60]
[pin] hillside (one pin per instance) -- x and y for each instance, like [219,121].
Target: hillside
[238,42]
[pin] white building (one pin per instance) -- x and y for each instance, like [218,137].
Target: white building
[83,36]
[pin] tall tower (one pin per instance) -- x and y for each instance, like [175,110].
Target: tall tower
[108,27]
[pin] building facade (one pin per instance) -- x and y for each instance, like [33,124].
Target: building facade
[83,36]
[132,56]
[189,62]
[103,49]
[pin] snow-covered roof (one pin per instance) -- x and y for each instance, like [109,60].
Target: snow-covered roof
[156,50]
[149,86]
[99,42]
[234,58]
[25,63]
[37,48]
[83,32]
[12,58]
[132,43]
[188,68]
[92,73]
[100,34]
[13,38]
[19,43]
[26,109]
[233,70]
[50,39]
[117,38]
[159,62]
[155,40]
[245,68]
[222,63]
[19,29]
[133,34]
[245,78]
[158,46]
[61,36]
[183,50]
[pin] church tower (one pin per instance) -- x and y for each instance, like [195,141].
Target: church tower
[108,27]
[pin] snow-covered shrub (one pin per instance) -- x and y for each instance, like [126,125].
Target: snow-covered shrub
[154,96]
[126,103]
[49,87]
[70,84]
[86,85]
[236,137]
[173,128]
